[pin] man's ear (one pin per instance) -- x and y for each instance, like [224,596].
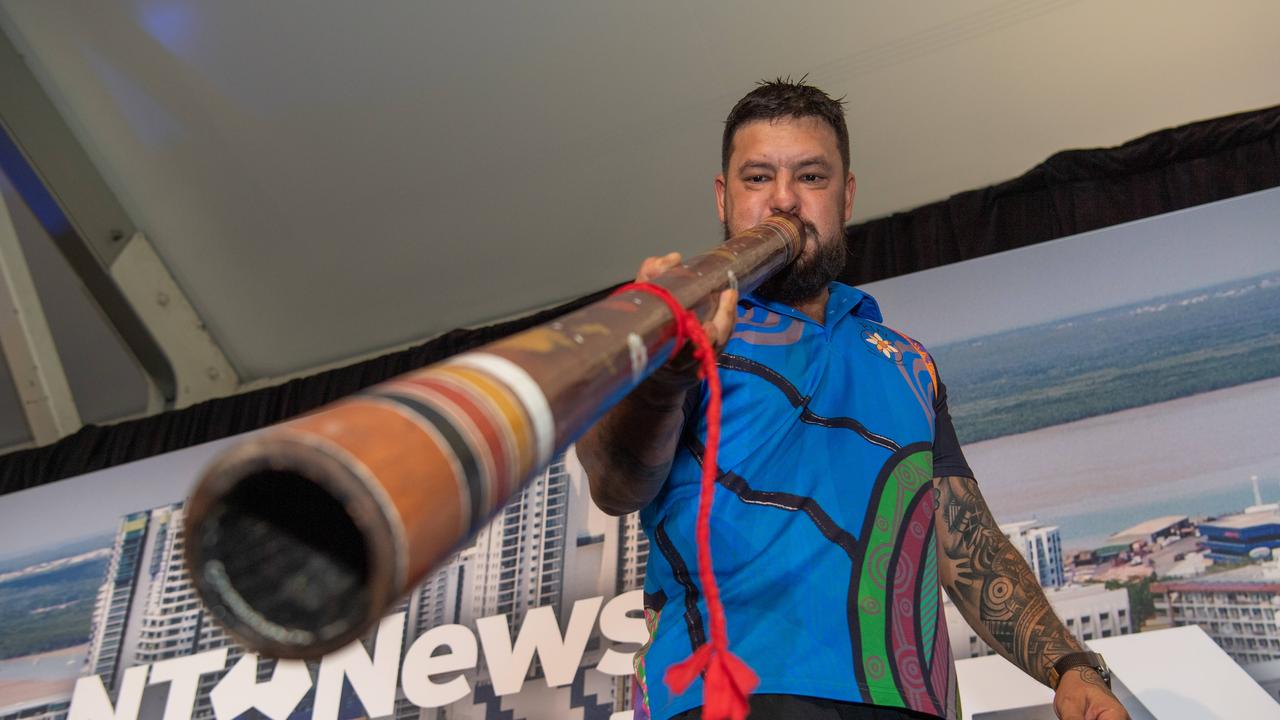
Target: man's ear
[850,189]
[720,196]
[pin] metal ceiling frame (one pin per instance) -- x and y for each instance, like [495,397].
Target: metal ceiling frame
[56,178]
[28,345]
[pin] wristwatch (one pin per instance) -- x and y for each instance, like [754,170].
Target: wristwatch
[1071,660]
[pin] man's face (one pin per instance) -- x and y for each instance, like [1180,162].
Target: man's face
[793,165]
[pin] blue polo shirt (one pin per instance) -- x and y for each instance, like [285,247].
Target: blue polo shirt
[822,527]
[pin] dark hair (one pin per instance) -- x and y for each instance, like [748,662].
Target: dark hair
[772,99]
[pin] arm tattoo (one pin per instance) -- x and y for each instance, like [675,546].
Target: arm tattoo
[1091,676]
[991,583]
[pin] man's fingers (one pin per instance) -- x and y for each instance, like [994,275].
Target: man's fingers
[655,266]
[1111,710]
[721,326]
[1069,708]
[1097,707]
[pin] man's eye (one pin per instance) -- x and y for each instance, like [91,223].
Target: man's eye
[812,177]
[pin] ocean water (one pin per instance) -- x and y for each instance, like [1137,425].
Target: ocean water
[1104,362]
[1191,456]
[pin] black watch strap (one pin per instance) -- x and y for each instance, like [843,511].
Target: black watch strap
[1080,659]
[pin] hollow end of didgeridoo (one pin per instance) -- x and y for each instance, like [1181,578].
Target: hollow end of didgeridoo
[290,551]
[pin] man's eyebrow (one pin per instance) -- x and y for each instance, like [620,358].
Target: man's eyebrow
[757,164]
[817,160]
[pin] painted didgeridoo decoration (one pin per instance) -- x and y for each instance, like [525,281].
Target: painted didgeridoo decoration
[301,537]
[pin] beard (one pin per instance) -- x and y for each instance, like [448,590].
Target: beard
[806,277]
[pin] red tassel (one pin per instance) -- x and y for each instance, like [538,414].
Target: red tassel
[681,675]
[727,680]
[726,684]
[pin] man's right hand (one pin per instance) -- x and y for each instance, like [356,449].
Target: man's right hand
[680,373]
[628,452]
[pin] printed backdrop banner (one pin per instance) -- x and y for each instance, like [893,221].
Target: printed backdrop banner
[541,614]
[1115,391]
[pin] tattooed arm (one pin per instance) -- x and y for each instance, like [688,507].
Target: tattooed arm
[995,590]
[628,452]
[992,585]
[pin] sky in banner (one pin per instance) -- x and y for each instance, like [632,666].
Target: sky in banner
[85,509]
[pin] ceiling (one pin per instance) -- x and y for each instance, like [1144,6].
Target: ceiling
[330,180]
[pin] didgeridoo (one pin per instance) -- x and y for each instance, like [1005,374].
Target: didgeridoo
[301,537]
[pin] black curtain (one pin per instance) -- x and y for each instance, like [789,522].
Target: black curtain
[1071,192]
[1076,191]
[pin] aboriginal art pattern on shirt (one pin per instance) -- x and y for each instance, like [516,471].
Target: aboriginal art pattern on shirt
[789,384]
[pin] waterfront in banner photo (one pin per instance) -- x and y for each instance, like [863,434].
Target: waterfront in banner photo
[1098,422]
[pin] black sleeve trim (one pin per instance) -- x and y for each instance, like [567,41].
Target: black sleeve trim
[948,458]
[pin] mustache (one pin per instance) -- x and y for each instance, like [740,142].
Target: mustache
[810,231]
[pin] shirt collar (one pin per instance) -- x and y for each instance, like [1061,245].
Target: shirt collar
[843,300]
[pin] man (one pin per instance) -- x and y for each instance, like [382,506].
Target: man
[844,495]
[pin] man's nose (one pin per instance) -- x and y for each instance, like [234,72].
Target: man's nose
[784,197]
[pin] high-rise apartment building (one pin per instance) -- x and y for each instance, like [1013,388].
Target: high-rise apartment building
[147,609]
[518,558]
[118,611]
[174,622]
[633,553]
[1041,545]
[438,600]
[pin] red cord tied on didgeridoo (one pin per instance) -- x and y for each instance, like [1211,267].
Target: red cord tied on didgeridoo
[727,680]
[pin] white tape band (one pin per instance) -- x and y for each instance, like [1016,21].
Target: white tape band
[526,391]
